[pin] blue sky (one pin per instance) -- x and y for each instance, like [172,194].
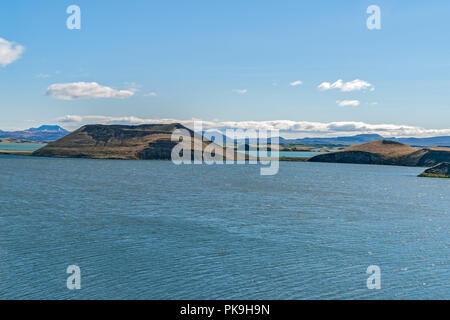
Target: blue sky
[230,61]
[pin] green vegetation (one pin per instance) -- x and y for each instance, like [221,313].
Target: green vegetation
[426,175]
[442,170]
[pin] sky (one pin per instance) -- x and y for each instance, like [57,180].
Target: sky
[310,68]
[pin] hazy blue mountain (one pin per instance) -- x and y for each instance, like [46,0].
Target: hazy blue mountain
[443,141]
[48,128]
[50,133]
[44,133]
[358,139]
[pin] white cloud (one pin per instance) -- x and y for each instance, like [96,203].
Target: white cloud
[9,52]
[86,90]
[70,119]
[288,128]
[348,103]
[240,91]
[355,85]
[151,94]
[296,83]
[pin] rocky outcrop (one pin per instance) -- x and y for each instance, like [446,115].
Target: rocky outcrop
[429,157]
[386,152]
[441,170]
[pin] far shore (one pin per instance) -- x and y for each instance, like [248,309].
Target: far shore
[16,152]
[30,153]
[15,141]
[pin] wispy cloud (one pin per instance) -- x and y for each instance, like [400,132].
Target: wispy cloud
[43,76]
[72,119]
[296,83]
[287,128]
[151,94]
[9,52]
[348,103]
[86,90]
[240,91]
[47,75]
[355,85]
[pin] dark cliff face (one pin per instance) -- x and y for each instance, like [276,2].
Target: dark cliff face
[433,157]
[160,150]
[441,170]
[387,153]
[348,157]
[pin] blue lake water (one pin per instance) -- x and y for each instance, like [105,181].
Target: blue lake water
[21,146]
[289,154]
[153,230]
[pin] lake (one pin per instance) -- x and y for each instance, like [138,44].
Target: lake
[153,230]
[36,146]
[21,146]
[288,154]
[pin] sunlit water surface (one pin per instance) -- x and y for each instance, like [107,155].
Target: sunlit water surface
[153,230]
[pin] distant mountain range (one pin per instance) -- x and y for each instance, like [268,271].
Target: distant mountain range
[443,141]
[42,134]
[49,133]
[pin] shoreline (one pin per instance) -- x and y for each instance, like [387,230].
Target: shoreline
[30,154]
[16,152]
[281,159]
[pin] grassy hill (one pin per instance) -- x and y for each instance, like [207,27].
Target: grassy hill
[387,152]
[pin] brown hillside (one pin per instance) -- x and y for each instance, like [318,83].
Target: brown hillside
[387,153]
[151,141]
[385,148]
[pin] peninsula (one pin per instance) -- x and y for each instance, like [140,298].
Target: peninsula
[441,170]
[387,152]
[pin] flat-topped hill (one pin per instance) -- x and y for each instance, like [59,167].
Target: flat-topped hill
[388,153]
[152,141]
